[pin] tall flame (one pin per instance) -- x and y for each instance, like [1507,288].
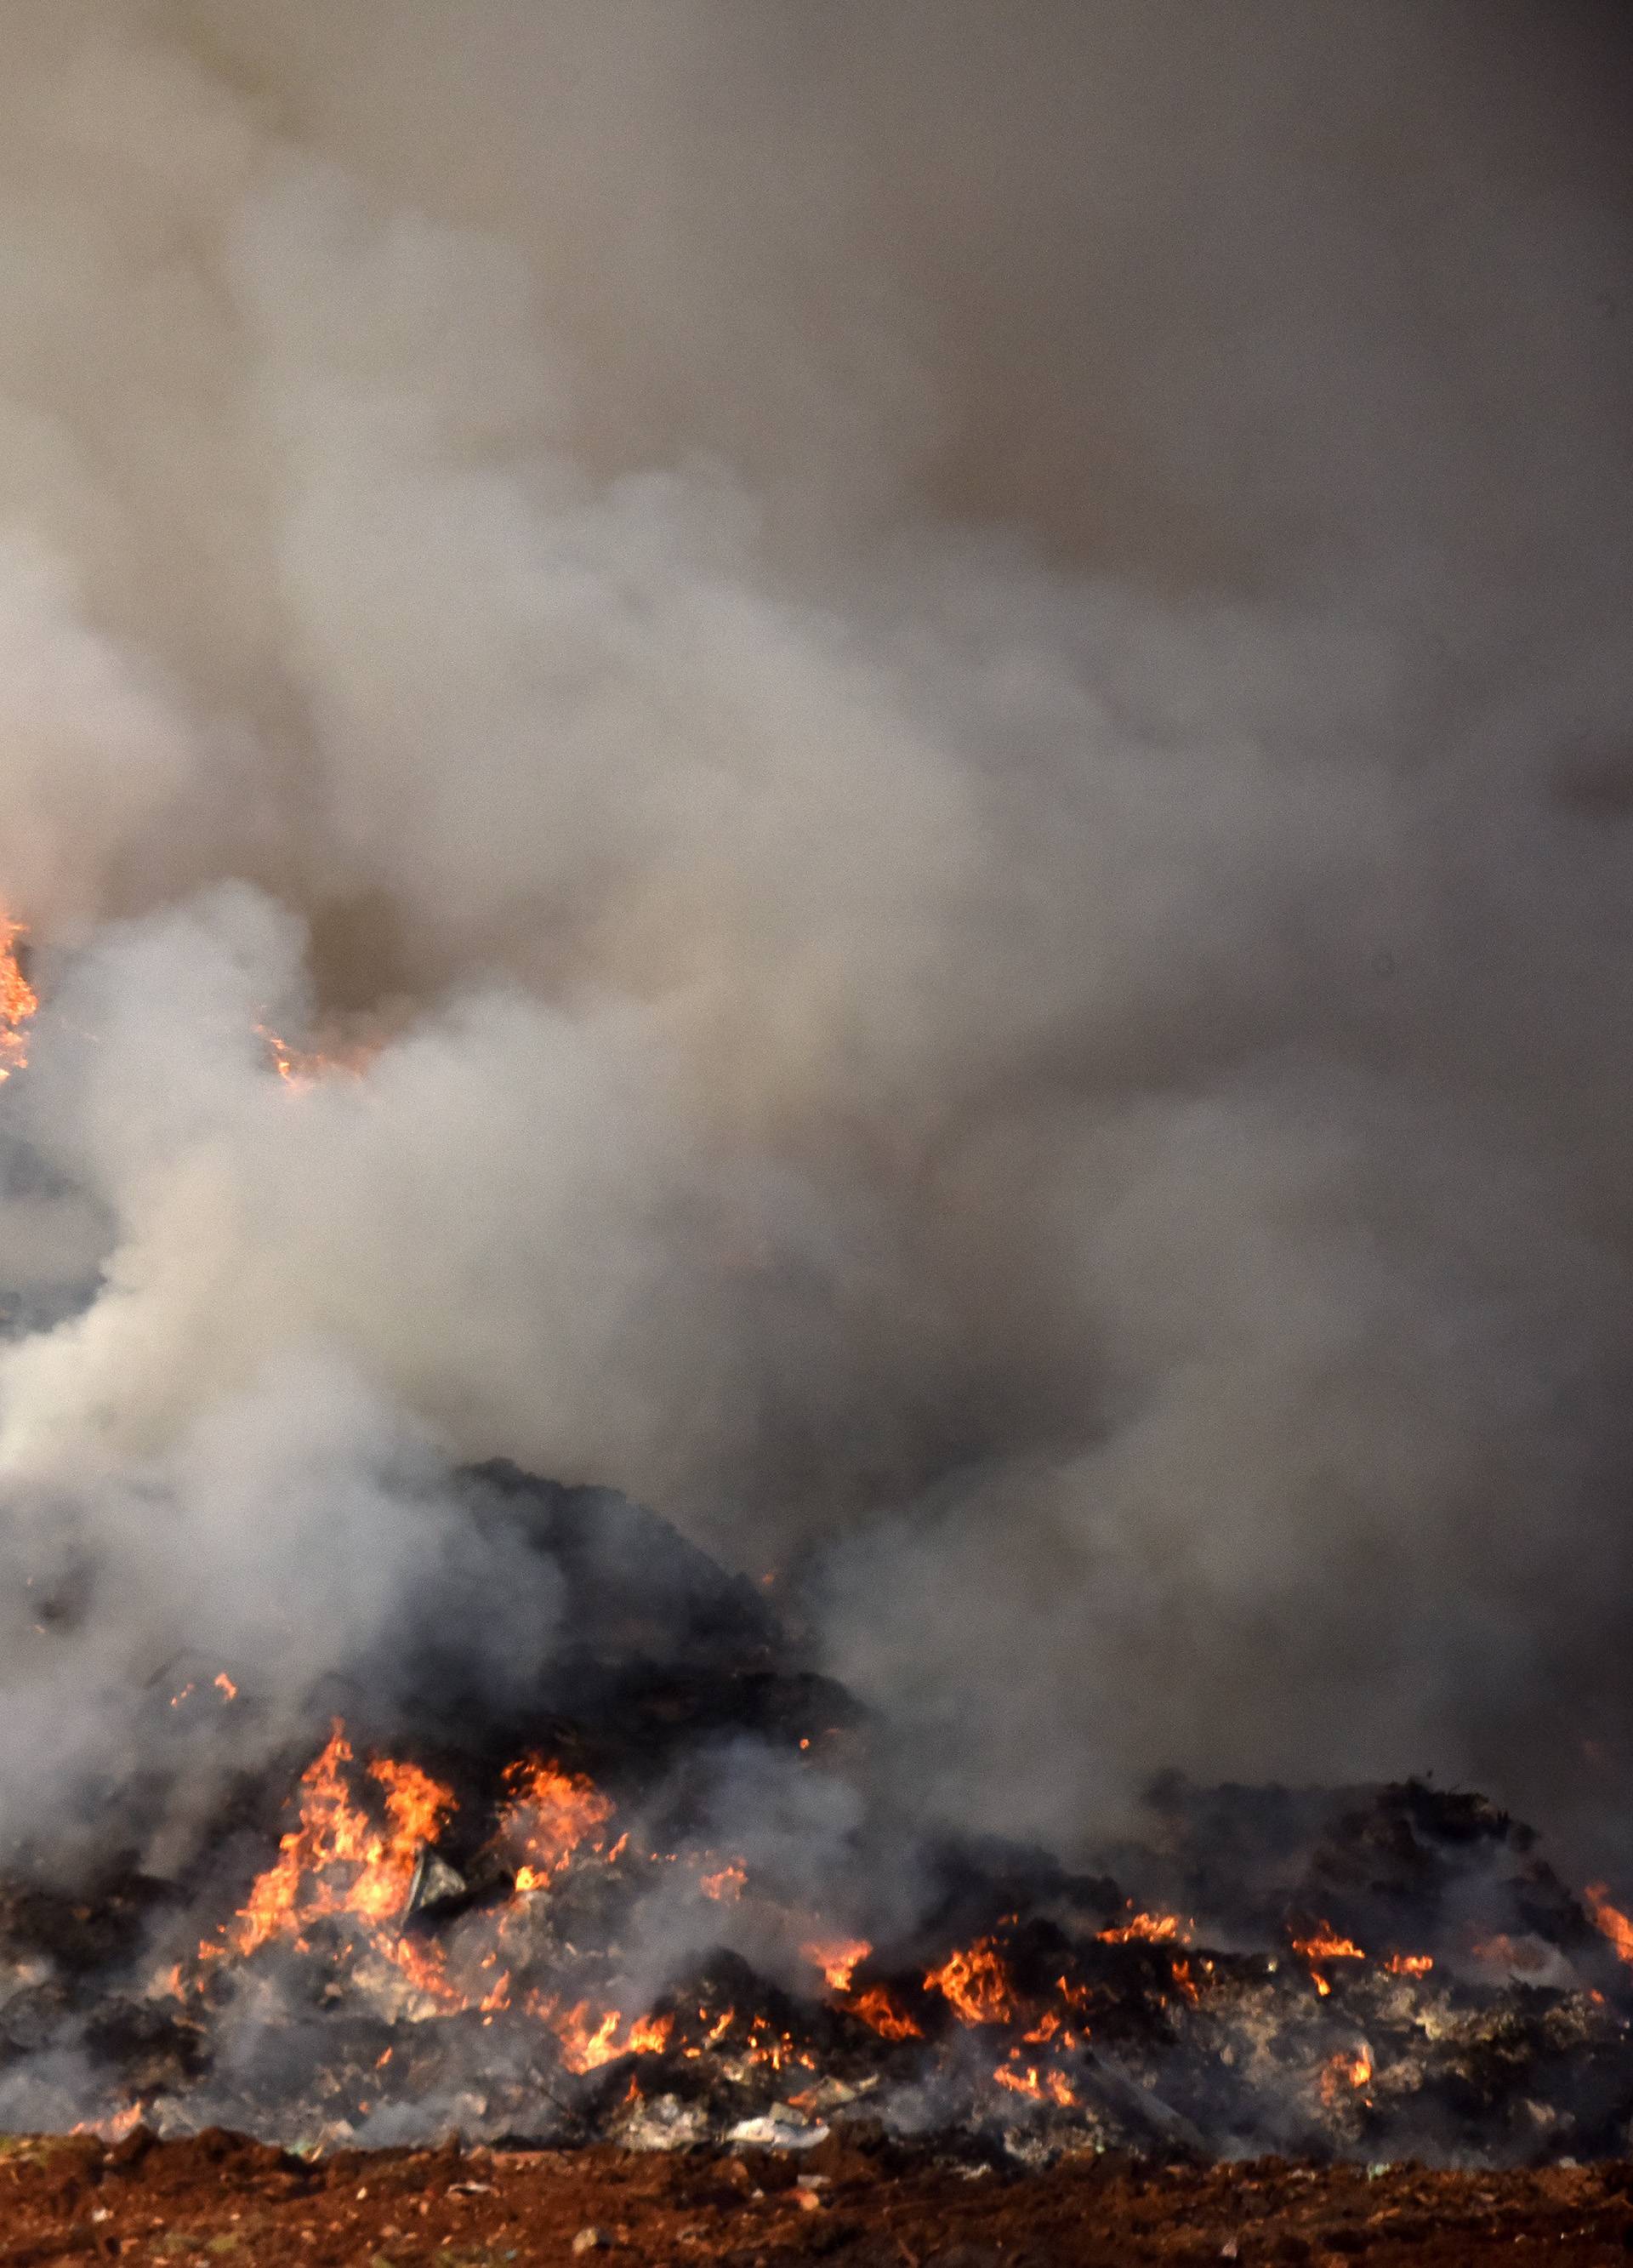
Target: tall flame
[337,1860]
[1608,1920]
[18,1001]
[976,1983]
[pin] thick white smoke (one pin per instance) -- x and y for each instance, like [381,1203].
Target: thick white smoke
[943,690]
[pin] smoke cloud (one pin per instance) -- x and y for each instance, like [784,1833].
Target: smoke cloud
[937,700]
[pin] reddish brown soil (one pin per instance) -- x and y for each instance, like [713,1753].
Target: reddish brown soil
[217,2201]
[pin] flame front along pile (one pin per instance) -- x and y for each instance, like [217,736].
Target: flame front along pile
[406,1961]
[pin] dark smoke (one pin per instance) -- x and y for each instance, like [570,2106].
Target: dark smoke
[948,687]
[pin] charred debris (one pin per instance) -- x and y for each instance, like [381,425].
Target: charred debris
[669,1898]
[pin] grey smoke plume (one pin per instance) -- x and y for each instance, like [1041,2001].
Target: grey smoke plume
[944,690]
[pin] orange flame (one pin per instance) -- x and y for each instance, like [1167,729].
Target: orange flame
[1324,1945]
[18,1001]
[1410,1964]
[1148,1929]
[301,1068]
[337,1860]
[588,2041]
[224,1686]
[1050,2027]
[547,1814]
[1346,2074]
[976,1983]
[877,2009]
[838,1959]
[727,1885]
[1609,1920]
[1049,2088]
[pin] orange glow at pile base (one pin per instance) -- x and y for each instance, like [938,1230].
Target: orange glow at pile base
[18,1001]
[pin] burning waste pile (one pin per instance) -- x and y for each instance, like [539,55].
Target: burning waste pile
[526,1926]
[877,782]
[661,1889]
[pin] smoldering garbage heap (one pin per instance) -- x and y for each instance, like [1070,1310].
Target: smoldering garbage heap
[522,1925]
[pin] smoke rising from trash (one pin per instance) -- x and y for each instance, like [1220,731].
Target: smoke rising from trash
[930,708]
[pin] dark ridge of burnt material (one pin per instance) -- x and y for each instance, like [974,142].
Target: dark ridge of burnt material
[1410,1868]
[576,1618]
[633,1584]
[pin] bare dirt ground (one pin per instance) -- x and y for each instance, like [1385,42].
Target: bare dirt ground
[220,2201]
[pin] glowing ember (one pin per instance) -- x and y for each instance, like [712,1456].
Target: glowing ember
[976,1983]
[838,1959]
[1346,2074]
[1051,2029]
[1048,2088]
[1522,1956]
[224,1686]
[301,1068]
[1609,1920]
[115,2128]
[18,1001]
